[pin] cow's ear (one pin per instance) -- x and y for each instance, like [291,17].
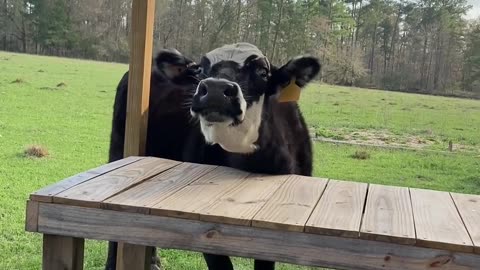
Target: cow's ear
[299,72]
[172,65]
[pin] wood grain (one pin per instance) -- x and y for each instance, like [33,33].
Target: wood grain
[469,208]
[62,253]
[46,194]
[31,216]
[133,257]
[339,211]
[437,221]
[141,45]
[93,192]
[145,195]
[291,205]
[200,194]
[281,246]
[388,215]
[241,203]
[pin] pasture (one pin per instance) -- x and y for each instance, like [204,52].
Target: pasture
[65,106]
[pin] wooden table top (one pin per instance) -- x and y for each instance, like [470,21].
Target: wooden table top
[161,187]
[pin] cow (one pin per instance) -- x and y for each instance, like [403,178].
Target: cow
[224,111]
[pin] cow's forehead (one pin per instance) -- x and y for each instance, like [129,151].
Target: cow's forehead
[237,52]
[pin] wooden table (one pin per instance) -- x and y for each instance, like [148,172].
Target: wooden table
[294,219]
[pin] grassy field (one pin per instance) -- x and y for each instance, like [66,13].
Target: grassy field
[65,105]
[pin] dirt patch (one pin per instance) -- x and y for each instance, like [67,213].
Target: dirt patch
[422,139]
[61,85]
[384,137]
[362,155]
[18,80]
[36,151]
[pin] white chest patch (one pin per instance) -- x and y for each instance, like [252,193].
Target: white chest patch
[236,139]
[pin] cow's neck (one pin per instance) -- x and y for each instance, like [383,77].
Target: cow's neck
[240,138]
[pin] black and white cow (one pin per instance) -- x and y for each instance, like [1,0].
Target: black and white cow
[224,111]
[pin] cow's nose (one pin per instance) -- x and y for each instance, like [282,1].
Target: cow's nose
[217,89]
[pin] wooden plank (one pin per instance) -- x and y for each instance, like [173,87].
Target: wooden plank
[388,215]
[469,208]
[339,211]
[31,216]
[199,194]
[240,204]
[242,241]
[141,197]
[291,205]
[133,257]
[62,252]
[46,194]
[93,192]
[141,44]
[437,222]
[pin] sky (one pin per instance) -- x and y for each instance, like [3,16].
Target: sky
[474,12]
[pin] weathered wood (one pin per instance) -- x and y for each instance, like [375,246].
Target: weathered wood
[240,204]
[31,216]
[62,252]
[141,44]
[46,194]
[141,197]
[242,241]
[93,192]
[133,257]
[291,205]
[437,221]
[200,193]
[339,211]
[388,215]
[469,208]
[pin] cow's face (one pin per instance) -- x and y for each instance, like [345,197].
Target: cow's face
[237,81]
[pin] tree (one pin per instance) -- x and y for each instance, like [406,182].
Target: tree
[471,78]
[406,45]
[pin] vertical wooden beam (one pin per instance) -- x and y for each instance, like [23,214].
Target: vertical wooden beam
[133,257]
[62,253]
[141,44]
[31,217]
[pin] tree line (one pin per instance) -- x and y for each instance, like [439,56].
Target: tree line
[418,45]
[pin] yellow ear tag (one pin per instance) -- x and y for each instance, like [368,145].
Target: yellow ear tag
[290,93]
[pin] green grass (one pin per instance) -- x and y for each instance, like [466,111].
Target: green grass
[336,111]
[73,122]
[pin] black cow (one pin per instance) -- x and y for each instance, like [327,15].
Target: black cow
[223,112]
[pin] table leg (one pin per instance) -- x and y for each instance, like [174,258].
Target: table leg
[133,257]
[62,252]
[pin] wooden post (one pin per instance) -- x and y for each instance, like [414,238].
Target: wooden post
[62,252]
[141,43]
[133,257]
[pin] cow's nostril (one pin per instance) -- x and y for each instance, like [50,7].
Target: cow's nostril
[231,91]
[202,90]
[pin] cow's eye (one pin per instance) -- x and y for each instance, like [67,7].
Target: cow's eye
[262,72]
